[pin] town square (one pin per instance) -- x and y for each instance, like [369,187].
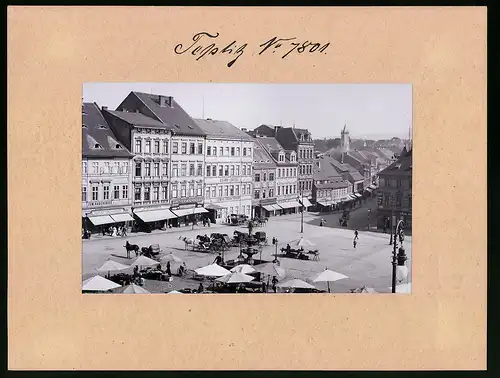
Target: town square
[172,203]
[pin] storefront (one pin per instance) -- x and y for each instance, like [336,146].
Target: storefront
[214,212]
[324,205]
[100,221]
[148,219]
[188,213]
[306,203]
[289,207]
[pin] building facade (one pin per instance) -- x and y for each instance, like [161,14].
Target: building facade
[106,168]
[264,201]
[330,189]
[228,169]
[395,193]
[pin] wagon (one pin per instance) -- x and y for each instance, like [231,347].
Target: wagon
[238,219]
[261,237]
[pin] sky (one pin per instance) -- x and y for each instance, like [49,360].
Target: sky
[373,111]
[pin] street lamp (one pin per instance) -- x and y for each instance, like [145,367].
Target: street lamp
[302,211]
[369,213]
[399,258]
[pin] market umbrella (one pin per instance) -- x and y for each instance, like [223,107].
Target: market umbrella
[301,243]
[112,265]
[212,270]
[144,261]
[135,289]
[243,268]
[271,270]
[98,283]
[171,257]
[236,278]
[328,276]
[174,292]
[295,283]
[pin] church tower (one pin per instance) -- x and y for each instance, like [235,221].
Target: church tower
[345,139]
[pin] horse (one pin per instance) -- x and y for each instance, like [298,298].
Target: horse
[187,241]
[131,247]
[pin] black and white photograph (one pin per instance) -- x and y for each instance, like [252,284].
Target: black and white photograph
[208,188]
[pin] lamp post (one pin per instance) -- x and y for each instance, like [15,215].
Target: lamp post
[369,213]
[302,212]
[398,256]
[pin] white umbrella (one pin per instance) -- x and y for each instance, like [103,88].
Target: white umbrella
[301,243]
[296,284]
[135,289]
[328,276]
[271,270]
[212,270]
[171,257]
[174,292]
[111,265]
[144,261]
[98,283]
[236,278]
[243,268]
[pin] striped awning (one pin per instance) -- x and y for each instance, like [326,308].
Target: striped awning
[306,202]
[268,207]
[276,206]
[155,215]
[289,204]
[122,217]
[101,219]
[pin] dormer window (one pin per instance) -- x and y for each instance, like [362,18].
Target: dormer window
[118,147]
[281,157]
[302,137]
[101,127]
[97,146]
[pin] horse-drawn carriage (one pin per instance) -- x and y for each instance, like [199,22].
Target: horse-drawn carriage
[216,242]
[261,238]
[238,219]
[152,251]
[259,222]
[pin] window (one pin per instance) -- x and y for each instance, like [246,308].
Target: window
[125,191]
[226,190]
[244,151]
[183,190]
[175,170]
[200,149]
[84,168]
[183,169]
[209,150]
[281,157]
[248,188]
[200,170]
[237,151]
[106,192]
[214,191]
[243,190]
[138,146]
[279,190]
[147,168]
[257,194]
[84,193]
[214,170]
[148,147]
[237,170]
[286,189]
[165,146]
[295,189]
[165,169]
[257,177]
[237,192]
[249,152]
[244,170]
[156,193]
[137,194]
[233,151]
[221,168]
[106,167]
[116,167]
[184,148]
[175,147]
[174,191]
[264,176]
[192,150]
[226,170]
[97,146]
[231,190]
[209,170]
[207,192]
[232,170]
[271,176]
[147,193]
[191,169]
[191,189]
[271,192]
[287,172]
[157,146]
[156,169]
[116,192]
[398,199]
[263,194]
[220,191]
[164,192]
[95,167]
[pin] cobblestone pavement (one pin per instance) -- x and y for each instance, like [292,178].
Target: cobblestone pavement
[369,264]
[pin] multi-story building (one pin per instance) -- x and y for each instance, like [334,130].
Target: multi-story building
[186,155]
[287,193]
[300,141]
[395,193]
[264,203]
[355,179]
[228,169]
[106,167]
[329,188]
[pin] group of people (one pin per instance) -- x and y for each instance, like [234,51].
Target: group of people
[114,231]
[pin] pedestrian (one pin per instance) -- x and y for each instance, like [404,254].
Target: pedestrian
[354,243]
[218,259]
[200,288]
[356,235]
[274,282]
[228,219]
[264,287]
[169,273]
[124,231]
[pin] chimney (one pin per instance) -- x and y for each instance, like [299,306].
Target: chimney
[169,101]
[276,128]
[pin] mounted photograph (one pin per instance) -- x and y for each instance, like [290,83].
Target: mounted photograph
[213,188]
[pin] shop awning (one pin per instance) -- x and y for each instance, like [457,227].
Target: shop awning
[306,202]
[323,202]
[101,219]
[213,206]
[122,217]
[155,215]
[275,206]
[268,207]
[184,212]
[290,204]
[352,196]
[200,210]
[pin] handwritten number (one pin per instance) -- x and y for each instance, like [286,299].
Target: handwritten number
[315,47]
[302,48]
[324,47]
